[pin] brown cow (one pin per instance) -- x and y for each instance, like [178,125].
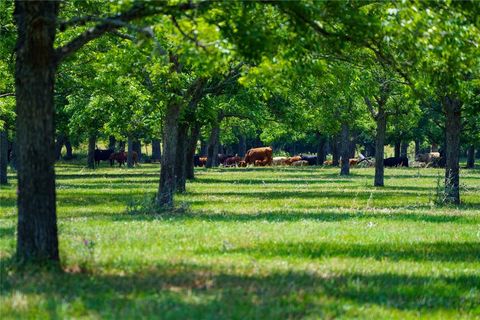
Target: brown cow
[262,154]
[261,163]
[122,156]
[232,161]
[291,160]
[242,164]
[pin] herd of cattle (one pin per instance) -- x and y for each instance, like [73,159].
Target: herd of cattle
[112,156]
[264,157]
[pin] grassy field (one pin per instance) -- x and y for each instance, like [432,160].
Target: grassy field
[264,243]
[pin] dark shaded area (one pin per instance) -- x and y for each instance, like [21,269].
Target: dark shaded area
[163,290]
[417,251]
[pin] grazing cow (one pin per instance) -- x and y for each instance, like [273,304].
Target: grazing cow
[279,161]
[300,163]
[121,157]
[293,159]
[242,164]
[261,154]
[102,155]
[427,157]
[396,162]
[327,162]
[199,161]
[312,160]
[353,161]
[222,157]
[232,161]
[261,163]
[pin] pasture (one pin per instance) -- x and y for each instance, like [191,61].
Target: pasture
[265,243]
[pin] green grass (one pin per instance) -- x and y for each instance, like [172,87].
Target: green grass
[265,243]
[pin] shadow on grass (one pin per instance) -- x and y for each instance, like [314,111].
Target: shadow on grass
[7,232]
[294,216]
[419,251]
[187,291]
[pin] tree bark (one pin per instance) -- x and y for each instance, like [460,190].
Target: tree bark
[242,145]
[35,69]
[156,151]
[404,148]
[91,152]
[335,151]
[68,147]
[180,161]
[3,156]
[112,142]
[129,152]
[381,120]
[213,145]
[471,157]
[397,149]
[166,187]
[192,146]
[137,147]
[345,150]
[13,155]
[452,107]
[320,149]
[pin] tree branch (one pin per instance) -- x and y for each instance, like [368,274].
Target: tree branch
[8,94]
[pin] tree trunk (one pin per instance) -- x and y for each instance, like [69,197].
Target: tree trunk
[192,146]
[242,145]
[35,69]
[417,147]
[203,147]
[13,154]
[129,152]
[404,148]
[351,148]
[91,152]
[471,157]
[345,150]
[68,147]
[213,146]
[397,149]
[111,142]
[3,156]
[335,151]
[58,146]
[320,149]
[452,107]
[381,120]
[137,147]
[180,161]
[156,151]
[166,187]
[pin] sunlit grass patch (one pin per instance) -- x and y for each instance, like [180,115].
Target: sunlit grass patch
[256,243]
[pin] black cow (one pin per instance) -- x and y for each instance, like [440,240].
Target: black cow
[312,160]
[196,161]
[102,155]
[396,162]
[222,157]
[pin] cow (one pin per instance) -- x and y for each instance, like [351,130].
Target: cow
[427,157]
[102,155]
[262,154]
[396,162]
[327,162]
[278,161]
[261,163]
[312,160]
[300,163]
[293,159]
[121,157]
[222,157]
[242,164]
[232,161]
[353,161]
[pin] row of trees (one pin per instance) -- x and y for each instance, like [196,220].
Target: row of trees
[176,71]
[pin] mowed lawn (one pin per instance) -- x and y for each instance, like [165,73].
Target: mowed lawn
[263,243]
